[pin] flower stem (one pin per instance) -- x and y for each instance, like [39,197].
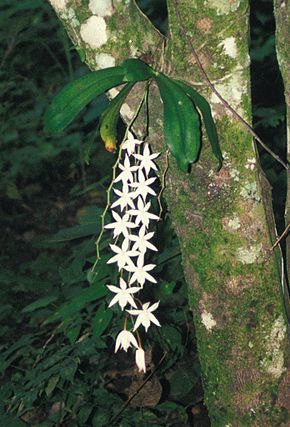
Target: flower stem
[109,189]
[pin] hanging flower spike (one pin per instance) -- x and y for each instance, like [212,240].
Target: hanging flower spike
[142,240]
[140,271]
[140,359]
[146,159]
[142,214]
[124,255]
[125,198]
[125,339]
[130,143]
[123,296]
[121,225]
[127,171]
[145,316]
[131,199]
[142,186]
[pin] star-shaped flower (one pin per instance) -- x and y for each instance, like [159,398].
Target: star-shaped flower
[124,199]
[142,186]
[145,316]
[123,294]
[140,359]
[125,339]
[142,214]
[130,143]
[140,271]
[142,240]
[124,255]
[146,159]
[127,171]
[121,225]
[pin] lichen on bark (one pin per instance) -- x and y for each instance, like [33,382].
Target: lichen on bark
[232,277]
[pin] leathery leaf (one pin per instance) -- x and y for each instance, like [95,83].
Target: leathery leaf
[76,95]
[209,124]
[109,118]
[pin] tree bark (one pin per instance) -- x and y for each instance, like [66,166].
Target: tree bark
[222,218]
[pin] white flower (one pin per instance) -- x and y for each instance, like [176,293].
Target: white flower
[140,271]
[123,256]
[123,294]
[127,171]
[140,359]
[142,186]
[121,225]
[130,143]
[125,339]
[124,199]
[141,240]
[141,213]
[145,316]
[146,159]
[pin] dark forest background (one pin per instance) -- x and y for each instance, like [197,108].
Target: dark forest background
[56,336]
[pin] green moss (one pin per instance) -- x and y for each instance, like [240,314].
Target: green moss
[81,10]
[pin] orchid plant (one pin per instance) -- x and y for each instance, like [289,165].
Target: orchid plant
[132,218]
[131,211]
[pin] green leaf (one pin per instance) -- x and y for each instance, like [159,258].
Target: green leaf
[109,119]
[183,380]
[76,232]
[40,303]
[73,272]
[102,320]
[69,309]
[172,336]
[269,117]
[181,122]
[24,341]
[68,371]
[73,333]
[167,288]
[89,214]
[77,94]
[52,383]
[84,413]
[205,110]
[137,70]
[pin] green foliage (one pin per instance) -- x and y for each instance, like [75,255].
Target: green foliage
[269,117]
[181,120]
[59,371]
[25,150]
[209,124]
[78,94]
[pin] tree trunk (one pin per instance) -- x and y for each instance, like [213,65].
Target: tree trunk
[220,217]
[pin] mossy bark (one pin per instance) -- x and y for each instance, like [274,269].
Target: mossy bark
[219,217]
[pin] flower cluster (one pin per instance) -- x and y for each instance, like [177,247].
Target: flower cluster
[132,216]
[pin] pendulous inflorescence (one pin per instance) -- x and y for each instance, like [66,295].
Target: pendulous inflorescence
[131,212]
